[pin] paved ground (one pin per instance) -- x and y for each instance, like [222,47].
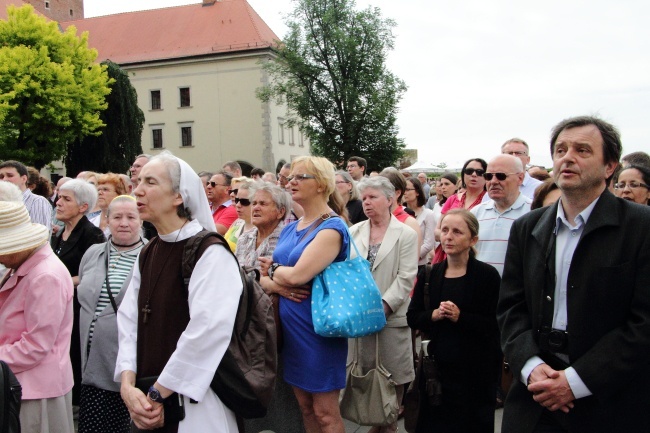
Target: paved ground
[351,427]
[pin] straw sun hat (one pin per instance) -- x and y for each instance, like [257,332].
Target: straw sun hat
[17,233]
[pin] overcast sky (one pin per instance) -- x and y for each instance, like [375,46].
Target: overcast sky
[481,72]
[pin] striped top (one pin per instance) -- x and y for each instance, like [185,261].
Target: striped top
[39,208]
[120,264]
[494,230]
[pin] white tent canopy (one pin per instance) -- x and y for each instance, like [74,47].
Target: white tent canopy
[425,167]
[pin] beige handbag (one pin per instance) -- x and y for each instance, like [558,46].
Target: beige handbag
[371,398]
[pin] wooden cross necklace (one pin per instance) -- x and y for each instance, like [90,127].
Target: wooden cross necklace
[146,310]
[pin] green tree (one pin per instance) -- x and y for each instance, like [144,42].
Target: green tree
[120,140]
[330,71]
[51,91]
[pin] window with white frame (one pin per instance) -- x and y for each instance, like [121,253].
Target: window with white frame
[157,137]
[156,101]
[186,134]
[184,93]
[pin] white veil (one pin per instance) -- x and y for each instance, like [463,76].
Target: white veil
[194,199]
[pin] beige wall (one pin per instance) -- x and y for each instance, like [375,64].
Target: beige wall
[228,121]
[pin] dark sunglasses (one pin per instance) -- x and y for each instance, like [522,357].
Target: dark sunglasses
[214,184]
[243,201]
[470,171]
[233,191]
[499,176]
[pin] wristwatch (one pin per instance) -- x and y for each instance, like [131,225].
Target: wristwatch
[154,395]
[272,269]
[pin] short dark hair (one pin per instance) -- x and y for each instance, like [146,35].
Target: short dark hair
[359,160]
[645,174]
[227,176]
[207,174]
[637,158]
[257,171]
[612,147]
[462,172]
[421,201]
[19,166]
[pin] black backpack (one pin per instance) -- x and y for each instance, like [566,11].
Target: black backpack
[245,378]
[10,395]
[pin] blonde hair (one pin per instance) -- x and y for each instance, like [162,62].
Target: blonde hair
[322,169]
[324,173]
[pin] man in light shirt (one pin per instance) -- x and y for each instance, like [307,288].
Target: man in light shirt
[506,204]
[574,306]
[39,208]
[519,148]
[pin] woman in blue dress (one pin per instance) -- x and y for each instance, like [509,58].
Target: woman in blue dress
[314,365]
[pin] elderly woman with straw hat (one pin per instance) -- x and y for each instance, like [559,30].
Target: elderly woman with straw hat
[36,316]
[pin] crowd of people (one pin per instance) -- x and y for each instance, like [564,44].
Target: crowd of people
[545,271]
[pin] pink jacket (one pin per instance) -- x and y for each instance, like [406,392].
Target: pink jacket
[36,323]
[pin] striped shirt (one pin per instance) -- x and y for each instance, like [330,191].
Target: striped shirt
[494,230]
[120,264]
[39,208]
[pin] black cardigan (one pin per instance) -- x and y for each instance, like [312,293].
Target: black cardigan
[82,237]
[477,316]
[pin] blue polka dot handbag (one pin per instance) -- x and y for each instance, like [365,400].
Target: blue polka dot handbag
[345,300]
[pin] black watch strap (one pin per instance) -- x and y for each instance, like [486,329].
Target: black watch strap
[272,269]
[154,395]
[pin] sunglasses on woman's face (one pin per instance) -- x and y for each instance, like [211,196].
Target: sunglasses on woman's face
[233,191]
[243,201]
[470,171]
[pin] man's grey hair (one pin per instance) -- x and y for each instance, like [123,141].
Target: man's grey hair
[515,162]
[143,155]
[516,140]
[83,192]
[232,165]
[380,183]
[10,192]
[278,194]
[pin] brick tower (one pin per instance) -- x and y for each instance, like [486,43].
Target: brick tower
[59,10]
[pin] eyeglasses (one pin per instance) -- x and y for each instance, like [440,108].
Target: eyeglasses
[213,184]
[470,171]
[352,166]
[233,191]
[243,201]
[515,153]
[632,185]
[499,176]
[300,177]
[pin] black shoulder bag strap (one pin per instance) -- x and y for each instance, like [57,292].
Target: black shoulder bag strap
[108,285]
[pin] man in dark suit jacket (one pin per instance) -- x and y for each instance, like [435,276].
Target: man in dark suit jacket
[574,307]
